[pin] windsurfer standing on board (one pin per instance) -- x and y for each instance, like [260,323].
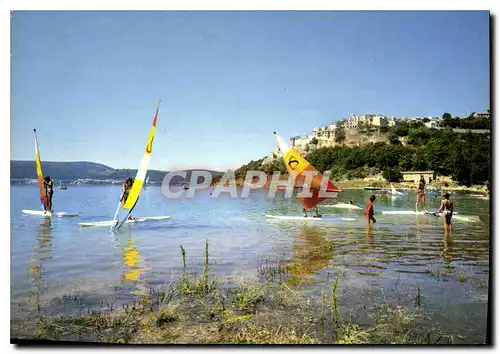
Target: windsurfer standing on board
[125,191]
[49,192]
[315,193]
[421,193]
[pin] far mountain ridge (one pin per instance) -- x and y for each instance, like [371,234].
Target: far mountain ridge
[73,170]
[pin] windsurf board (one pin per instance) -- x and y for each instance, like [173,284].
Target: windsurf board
[132,221]
[59,214]
[343,206]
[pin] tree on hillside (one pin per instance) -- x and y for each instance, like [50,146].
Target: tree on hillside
[417,124]
[314,141]
[402,129]
[447,120]
[465,157]
[419,136]
[383,129]
[392,174]
[446,116]
[275,165]
[393,138]
[340,136]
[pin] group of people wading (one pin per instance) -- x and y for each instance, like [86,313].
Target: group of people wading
[446,207]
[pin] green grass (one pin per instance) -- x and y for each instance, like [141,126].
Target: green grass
[200,309]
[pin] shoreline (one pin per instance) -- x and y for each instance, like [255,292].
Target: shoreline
[200,309]
[382,184]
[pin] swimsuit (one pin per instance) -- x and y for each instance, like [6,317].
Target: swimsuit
[48,188]
[369,208]
[421,187]
[447,215]
[126,193]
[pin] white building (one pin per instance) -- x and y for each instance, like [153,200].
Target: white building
[325,132]
[393,121]
[433,123]
[377,120]
[483,114]
[300,142]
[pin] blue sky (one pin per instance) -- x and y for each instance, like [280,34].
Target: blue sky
[90,81]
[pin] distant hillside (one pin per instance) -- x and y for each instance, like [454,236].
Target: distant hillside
[463,155]
[70,171]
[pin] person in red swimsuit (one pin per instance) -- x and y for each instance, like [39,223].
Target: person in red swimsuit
[369,210]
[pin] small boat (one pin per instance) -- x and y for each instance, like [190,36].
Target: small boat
[62,186]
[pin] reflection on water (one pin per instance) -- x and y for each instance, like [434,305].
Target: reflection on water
[312,252]
[447,253]
[369,235]
[132,262]
[41,254]
[62,258]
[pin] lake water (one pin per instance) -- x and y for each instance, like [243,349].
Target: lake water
[52,259]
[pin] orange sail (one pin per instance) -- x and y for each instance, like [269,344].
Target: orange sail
[298,165]
[39,175]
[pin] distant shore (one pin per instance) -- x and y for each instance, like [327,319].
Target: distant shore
[376,182]
[383,184]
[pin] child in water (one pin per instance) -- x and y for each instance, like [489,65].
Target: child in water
[369,210]
[447,209]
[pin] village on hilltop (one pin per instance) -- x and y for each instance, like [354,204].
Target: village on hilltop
[360,129]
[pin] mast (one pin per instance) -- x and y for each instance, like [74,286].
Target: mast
[133,195]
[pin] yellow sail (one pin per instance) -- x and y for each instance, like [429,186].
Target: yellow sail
[39,174]
[143,168]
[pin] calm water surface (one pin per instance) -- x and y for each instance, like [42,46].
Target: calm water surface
[53,259]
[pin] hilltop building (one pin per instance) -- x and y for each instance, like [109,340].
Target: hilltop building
[483,114]
[414,176]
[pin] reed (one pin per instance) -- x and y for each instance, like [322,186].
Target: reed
[194,309]
[183,255]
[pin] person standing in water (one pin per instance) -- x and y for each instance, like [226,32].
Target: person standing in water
[369,210]
[49,192]
[447,209]
[126,187]
[421,193]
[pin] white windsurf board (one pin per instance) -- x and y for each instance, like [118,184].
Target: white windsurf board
[406,212]
[343,206]
[132,221]
[59,214]
[324,218]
